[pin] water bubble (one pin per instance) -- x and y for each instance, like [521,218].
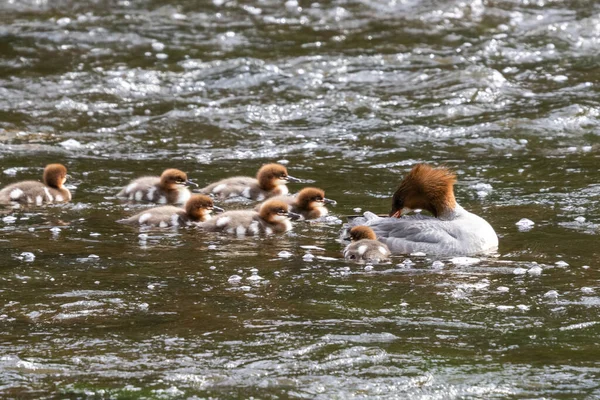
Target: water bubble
[519,271]
[551,294]
[465,261]
[561,264]
[63,21]
[535,271]
[71,144]
[9,219]
[28,256]
[284,254]
[158,46]
[234,279]
[525,224]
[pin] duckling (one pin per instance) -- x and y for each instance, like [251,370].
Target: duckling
[309,203]
[169,188]
[38,193]
[197,209]
[273,217]
[365,246]
[270,181]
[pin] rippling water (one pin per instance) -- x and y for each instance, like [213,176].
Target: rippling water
[350,94]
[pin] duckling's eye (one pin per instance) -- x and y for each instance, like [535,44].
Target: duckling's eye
[281,210]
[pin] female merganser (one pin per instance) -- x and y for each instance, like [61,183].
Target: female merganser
[169,188]
[273,217]
[309,203]
[451,229]
[270,181]
[365,246]
[33,192]
[197,209]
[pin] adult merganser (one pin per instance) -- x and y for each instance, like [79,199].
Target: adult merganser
[197,209]
[270,181]
[309,203]
[169,188]
[273,217]
[365,246]
[34,192]
[451,229]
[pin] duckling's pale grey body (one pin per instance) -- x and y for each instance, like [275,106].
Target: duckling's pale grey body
[270,181]
[367,250]
[38,193]
[273,217]
[169,188]
[197,209]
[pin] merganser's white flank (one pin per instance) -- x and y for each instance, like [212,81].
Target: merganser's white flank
[271,180]
[365,246]
[197,209]
[38,193]
[273,217]
[451,230]
[309,203]
[169,188]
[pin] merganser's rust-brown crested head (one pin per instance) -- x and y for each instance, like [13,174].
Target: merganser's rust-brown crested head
[311,197]
[362,232]
[426,188]
[273,211]
[55,175]
[171,178]
[270,176]
[199,206]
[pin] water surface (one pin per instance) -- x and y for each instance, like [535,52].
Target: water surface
[349,95]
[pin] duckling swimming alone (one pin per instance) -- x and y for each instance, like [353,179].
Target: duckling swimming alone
[270,181]
[197,209]
[273,217]
[451,229]
[365,246]
[34,192]
[169,188]
[309,203]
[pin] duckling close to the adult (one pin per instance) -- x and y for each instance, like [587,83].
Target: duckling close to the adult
[365,246]
[309,203]
[273,217]
[51,190]
[169,188]
[270,181]
[197,209]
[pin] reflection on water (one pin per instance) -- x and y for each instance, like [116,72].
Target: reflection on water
[349,95]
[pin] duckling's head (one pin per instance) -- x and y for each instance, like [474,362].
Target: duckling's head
[310,198]
[274,211]
[270,176]
[425,188]
[199,206]
[55,175]
[173,178]
[362,232]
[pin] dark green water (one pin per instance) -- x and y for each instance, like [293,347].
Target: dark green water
[351,94]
